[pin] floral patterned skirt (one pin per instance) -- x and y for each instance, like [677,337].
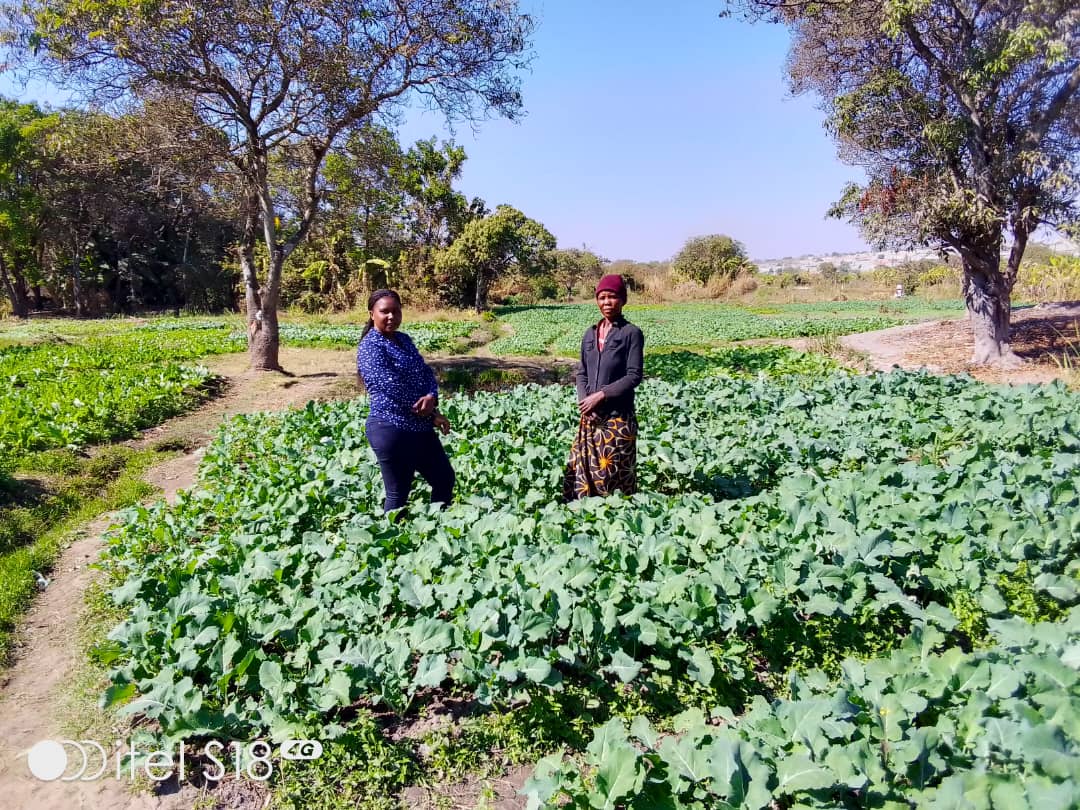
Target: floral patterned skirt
[603,458]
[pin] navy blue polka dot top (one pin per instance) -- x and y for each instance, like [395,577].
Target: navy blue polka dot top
[395,376]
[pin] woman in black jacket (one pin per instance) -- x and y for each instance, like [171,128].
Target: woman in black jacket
[603,458]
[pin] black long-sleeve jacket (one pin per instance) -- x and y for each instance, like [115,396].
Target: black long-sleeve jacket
[616,371]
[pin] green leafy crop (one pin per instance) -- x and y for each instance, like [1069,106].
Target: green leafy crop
[786,522]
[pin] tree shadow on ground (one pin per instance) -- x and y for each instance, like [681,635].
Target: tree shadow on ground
[1051,339]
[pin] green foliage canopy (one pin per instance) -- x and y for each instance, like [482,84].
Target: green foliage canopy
[704,257]
[963,115]
[487,248]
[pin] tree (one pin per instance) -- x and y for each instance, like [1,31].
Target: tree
[110,210]
[21,158]
[573,266]
[362,227]
[435,212]
[706,256]
[488,248]
[74,180]
[127,212]
[964,116]
[829,271]
[283,82]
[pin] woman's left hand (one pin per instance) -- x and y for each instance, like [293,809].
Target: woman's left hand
[425,406]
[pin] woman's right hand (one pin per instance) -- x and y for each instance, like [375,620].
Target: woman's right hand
[588,405]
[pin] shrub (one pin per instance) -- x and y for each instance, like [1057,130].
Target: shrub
[744,284]
[704,257]
[310,302]
[939,274]
[1058,279]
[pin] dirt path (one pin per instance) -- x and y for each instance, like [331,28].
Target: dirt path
[313,374]
[1047,336]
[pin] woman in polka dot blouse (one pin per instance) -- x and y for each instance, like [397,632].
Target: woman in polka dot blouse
[404,406]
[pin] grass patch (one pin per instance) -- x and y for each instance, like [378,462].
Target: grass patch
[80,715]
[360,769]
[51,494]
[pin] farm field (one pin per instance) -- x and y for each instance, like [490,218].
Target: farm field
[557,329]
[837,564]
[833,589]
[79,383]
[74,383]
[904,544]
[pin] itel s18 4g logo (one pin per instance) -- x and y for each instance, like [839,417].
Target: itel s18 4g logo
[87,760]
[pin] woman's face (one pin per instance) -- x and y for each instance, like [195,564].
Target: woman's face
[386,315]
[610,304]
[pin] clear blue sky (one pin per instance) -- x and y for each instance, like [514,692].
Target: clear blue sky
[650,123]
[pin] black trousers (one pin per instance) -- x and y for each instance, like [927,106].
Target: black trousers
[404,453]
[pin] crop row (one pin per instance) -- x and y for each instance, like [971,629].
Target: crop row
[894,307]
[68,395]
[995,728]
[558,329]
[106,386]
[784,523]
[429,336]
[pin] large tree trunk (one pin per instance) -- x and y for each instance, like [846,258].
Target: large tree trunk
[15,285]
[261,317]
[263,342]
[987,293]
[262,303]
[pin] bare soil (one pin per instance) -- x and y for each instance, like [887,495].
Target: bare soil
[1045,336]
[494,793]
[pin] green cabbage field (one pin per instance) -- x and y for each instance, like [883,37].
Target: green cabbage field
[833,590]
[60,393]
[72,384]
[558,329]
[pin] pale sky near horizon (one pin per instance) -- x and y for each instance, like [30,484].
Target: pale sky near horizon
[644,128]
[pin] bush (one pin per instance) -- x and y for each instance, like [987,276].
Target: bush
[310,302]
[790,279]
[829,271]
[717,285]
[743,285]
[939,274]
[544,288]
[907,274]
[704,257]
[1058,279]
